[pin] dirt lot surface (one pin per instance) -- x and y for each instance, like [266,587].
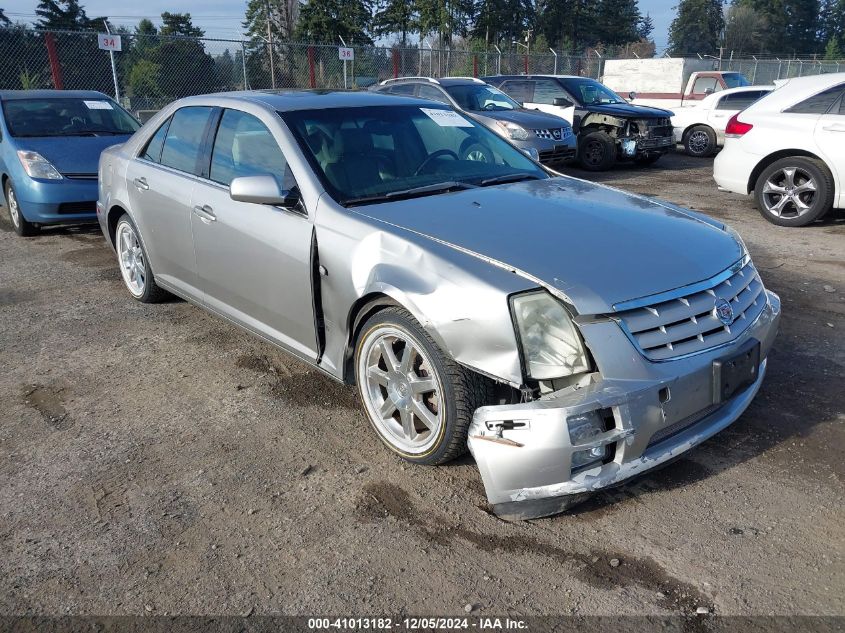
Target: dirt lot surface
[154,459]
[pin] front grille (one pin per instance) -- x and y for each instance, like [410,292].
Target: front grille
[76,176]
[689,324]
[650,143]
[558,154]
[554,134]
[73,208]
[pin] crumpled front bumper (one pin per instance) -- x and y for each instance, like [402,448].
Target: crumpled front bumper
[659,410]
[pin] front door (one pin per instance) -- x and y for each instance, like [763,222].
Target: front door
[254,260]
[539,94]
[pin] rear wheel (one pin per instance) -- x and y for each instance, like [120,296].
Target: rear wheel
[596,151]
[22,226]
[134,264]
[700,141]
[794,191]
[419,401]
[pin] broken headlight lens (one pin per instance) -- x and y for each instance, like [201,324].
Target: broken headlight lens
[551,346]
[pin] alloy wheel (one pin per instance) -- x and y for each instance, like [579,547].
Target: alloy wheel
[131,258]
[14,210]
[401,391]
[789,192]
[699,142]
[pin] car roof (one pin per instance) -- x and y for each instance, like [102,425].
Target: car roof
[795,90]
[437,81]
[12,95]
[537,77]
[289,100]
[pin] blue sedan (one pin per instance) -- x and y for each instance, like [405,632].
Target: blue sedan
[50,144]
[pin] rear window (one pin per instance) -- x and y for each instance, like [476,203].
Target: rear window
[67,117]
[735,80]
[819,103]
[740,100]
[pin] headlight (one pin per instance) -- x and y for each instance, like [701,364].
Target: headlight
[36,166]
[551,346]
[513,131]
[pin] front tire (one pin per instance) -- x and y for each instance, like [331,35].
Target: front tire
[596,152]
[134,263]
[22,226]
[700,141]
[794,191]
[419,401]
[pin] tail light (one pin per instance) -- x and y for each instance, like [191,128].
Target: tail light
[736,128]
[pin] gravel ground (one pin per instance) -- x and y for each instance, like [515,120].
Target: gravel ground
[154,459]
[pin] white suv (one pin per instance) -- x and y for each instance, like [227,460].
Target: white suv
[788,149]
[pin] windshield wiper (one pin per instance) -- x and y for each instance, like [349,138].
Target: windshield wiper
[402,194]
[497,180]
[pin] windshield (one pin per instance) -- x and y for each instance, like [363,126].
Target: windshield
[376,154]
[735,80]
[478,97]
[591,92]
[67,117]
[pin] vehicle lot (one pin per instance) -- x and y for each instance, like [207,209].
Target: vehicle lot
[157,460]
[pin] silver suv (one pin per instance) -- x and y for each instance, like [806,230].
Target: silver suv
[570,335]
[550,136]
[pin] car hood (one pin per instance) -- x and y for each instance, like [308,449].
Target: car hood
[71,154]
[596,245]
[628,110]
[526,118]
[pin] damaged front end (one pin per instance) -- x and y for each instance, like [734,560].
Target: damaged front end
[640,408]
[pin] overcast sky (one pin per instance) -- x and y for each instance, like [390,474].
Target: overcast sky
[222,18]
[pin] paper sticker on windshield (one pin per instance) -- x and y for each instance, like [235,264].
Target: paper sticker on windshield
[97,105]
[446,118]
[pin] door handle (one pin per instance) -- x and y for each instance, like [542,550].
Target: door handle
[836,127]
[205,213]
[141,184]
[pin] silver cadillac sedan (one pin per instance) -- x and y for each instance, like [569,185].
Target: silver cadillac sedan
[569,334]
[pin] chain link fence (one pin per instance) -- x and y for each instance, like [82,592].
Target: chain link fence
[151,71]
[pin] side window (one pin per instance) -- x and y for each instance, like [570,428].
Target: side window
[403,89]
[842,106]
[740,100]
[702,84]
[184,138]
[435,94]
[546,91]
[152,151]
[522,91]
[245,147]
[819,103]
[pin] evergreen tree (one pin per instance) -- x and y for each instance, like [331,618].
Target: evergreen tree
[645,27]
[570,25]
[445,18]
[283,16]
[396,16]
[179,24]
[697,28]
[792,26]
[503,20]
[832,51]
[745,30]
[58,15]
[4,21]
[833,25]
[325,21]
[618,22]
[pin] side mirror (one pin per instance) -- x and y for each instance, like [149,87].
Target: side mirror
[262,190]
[709,91]
[562,102]
[632,95]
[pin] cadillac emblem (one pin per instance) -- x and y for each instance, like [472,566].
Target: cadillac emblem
[724,311]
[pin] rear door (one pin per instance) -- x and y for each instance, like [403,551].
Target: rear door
[830,137]
[160,181]
[543,98]
[727,106]
[253,260]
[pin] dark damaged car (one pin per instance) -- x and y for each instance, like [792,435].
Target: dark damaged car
[609,128]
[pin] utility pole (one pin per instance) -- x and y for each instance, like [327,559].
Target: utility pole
[270,46]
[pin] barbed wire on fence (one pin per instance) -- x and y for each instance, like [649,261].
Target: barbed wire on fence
[152,70]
